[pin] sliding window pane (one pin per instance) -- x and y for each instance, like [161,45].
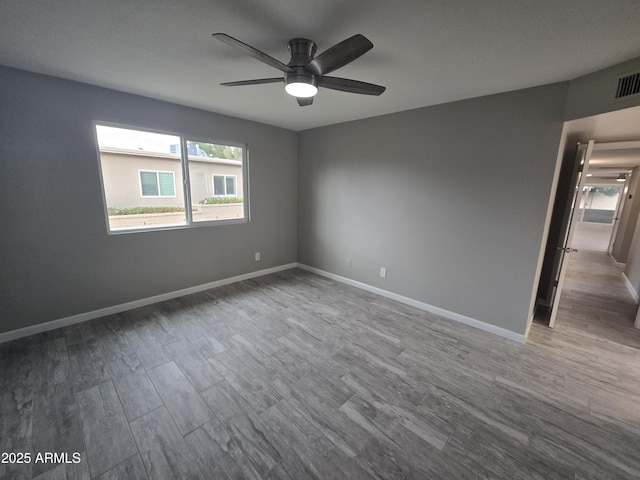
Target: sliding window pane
[140,171]
[231,185]
[167,185]
[149,184]
[216,175]
[218,185]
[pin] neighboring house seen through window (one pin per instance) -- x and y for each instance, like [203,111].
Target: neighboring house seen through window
[165,180]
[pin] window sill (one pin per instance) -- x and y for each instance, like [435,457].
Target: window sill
[158,228]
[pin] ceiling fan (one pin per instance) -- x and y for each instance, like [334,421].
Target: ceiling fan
[304,73]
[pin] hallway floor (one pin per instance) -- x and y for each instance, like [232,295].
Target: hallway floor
[592,236]
[595,329]
[595,299]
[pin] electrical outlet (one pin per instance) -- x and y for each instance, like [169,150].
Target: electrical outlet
[348,263]
[383,272]
[257,255]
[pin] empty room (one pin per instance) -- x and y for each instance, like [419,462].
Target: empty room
[320,240]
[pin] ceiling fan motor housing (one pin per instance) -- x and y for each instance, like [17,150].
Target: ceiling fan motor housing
[302,51]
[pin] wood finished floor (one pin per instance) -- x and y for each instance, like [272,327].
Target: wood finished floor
[592,236]
[295,376]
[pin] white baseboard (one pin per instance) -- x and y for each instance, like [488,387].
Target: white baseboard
[619,264]
[487,327]
[83,317]
[632,291]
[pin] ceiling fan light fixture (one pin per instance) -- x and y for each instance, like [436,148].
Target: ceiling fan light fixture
[305,72]
[301,86]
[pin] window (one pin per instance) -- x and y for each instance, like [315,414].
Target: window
[150,181]
[157,184]
[224,185]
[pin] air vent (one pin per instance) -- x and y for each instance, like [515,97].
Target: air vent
[629,85]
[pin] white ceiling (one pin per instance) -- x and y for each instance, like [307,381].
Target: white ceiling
[426,51]
[607,159]
[617,138]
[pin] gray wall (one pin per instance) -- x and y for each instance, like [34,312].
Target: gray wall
[55,255]
[594,93]
[422,193]
[632,268]
[628,219]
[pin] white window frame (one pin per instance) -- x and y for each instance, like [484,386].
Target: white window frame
[157,172]
[184,160]
[235,182]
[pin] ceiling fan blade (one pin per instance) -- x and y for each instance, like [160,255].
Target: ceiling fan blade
[339,55]
[253,52]
[351,86]
[303,102]
[253,82]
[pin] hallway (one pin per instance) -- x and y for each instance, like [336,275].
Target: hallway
[595,301]
[592,236]
[595,332]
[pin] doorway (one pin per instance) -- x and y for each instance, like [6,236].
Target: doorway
[602,230]
[598,212]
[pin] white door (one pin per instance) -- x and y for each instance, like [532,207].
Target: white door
[583,156]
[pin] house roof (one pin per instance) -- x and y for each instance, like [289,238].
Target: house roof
[425,53]
[167,156]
